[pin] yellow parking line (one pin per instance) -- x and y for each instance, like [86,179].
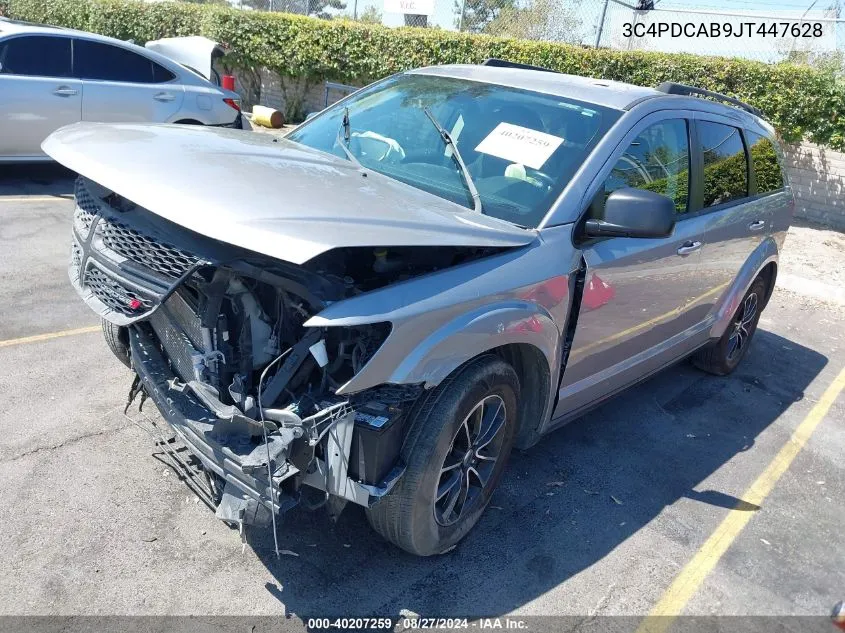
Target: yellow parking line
[688,581]
[48,336]
[35,198]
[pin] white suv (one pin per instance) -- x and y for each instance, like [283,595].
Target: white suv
[50,77]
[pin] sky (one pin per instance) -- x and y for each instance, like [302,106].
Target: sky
[762,48]
[589,11]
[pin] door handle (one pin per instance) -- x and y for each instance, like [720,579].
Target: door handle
[757,225]
[163,96]
[688,248]
[65,91]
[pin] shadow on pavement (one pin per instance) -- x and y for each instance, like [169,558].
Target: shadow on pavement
[45,179]
[647,448]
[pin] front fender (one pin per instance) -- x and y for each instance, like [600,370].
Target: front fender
[467,336]
[765,253]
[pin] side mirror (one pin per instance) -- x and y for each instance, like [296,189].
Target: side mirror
[634,213]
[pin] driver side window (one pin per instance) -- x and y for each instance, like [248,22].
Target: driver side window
[657,160]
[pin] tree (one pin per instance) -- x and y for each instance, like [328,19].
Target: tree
[314,8]
[317,8]
[477,14]
[371,15]
[548,20]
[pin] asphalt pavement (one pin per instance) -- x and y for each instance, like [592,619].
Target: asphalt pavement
[600,518]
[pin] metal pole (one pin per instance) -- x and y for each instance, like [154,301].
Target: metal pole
[633,25]
[355,10]
[795,39]
[461,20]
[601,22]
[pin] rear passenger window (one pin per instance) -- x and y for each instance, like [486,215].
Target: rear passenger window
[161,74]
[767,170]
[657,160]
[725,166]
[36,56]
[95,60]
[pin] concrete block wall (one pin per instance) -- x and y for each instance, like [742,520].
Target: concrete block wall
[817,175]
[313,96]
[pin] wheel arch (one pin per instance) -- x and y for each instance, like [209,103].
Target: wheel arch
[535,380]
[770,274]
[520,333]
[763,261]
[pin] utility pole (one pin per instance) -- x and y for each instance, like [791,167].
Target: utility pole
[601,22]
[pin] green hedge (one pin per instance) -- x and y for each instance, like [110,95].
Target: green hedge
[800,101]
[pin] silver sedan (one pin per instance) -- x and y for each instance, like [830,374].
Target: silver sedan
[51,77]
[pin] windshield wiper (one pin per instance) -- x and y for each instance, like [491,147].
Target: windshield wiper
[343,141]
[456,156]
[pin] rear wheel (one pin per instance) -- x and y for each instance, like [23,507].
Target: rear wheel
[723,356]
[117,338]
[460,438]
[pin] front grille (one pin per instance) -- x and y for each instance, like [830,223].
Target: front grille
[86,208]
[177,345]
[75,258]
[82,220]
[114,295]
[158,256]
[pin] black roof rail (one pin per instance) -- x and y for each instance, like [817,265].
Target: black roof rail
[672,88]
[503,63]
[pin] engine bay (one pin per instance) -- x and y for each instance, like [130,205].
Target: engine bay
[219,342]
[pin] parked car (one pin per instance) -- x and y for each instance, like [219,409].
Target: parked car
[50,77]
[448,263]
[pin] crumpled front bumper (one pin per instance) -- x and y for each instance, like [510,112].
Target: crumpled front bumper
[227,456]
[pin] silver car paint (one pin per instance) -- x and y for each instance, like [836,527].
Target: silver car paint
[611,94]
[33,107]
[443,319]
[194,51]
[665,305]
[574,197]
[258,191]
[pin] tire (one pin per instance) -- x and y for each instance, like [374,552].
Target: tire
[723,356]
[117,338]
[411,516]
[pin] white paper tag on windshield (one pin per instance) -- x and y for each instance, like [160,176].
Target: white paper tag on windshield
[520,145]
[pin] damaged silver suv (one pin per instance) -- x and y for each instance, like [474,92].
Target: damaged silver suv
[446,264]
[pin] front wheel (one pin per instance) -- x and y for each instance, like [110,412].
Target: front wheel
[117,338]
[723,356]
[460,438]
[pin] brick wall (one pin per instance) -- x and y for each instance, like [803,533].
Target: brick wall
[817,175]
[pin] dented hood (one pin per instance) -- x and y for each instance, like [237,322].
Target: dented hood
[267,194]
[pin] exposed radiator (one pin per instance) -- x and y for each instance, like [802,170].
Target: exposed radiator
[178,328]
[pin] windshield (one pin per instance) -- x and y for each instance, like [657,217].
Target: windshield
[520,148]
